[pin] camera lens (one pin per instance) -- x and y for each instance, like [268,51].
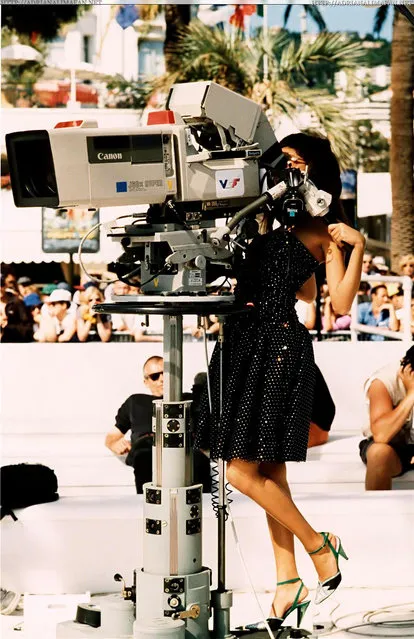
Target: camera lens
[32,170]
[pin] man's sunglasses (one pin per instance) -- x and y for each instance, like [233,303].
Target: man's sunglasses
[155,376]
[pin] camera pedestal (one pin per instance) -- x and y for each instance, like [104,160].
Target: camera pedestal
[172,584]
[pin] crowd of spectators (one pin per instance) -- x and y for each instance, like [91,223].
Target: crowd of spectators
[56,313]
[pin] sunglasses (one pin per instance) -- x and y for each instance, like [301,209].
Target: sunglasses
[155,376]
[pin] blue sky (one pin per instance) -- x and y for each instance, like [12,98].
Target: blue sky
[346,18]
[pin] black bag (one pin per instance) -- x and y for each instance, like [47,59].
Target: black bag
[25,485]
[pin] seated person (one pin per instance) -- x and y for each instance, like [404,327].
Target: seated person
[90,325]
[59,325]
[135,415]
[331,321]
[380,312]
[388,450]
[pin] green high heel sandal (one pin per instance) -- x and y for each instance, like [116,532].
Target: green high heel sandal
[326,588]
[276,622]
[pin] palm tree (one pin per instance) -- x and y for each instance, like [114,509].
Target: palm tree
[177,17]
[402,140]
[212,54]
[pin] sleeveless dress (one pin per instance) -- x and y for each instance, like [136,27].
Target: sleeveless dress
[267,361]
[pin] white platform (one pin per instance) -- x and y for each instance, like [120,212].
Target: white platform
[59,547]
[353,602]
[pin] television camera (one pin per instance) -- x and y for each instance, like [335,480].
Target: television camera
[200,160]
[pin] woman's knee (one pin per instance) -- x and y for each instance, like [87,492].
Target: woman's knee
[240,474]
[275,471]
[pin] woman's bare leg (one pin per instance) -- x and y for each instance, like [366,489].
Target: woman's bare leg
[248,479]
[283,547]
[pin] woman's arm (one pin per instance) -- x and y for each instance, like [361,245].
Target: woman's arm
[343,283]
[68,332]
[83,327]
[104,329]
[329,315]
[307,292]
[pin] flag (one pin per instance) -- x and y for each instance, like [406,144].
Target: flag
[126,16]
[237,19]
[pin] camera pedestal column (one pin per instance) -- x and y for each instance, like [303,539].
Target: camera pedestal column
[172,582]
[221,599]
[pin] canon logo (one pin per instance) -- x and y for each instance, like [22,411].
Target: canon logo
[109,156]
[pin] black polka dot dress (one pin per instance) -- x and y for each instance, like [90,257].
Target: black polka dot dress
[268,364]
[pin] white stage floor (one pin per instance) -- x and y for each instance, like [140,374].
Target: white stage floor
[349,602]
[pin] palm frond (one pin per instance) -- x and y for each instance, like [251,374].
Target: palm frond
[211,54]
[316,16]
[337,49]
[379,18]
[286,14]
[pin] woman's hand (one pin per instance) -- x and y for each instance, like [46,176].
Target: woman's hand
[342,233]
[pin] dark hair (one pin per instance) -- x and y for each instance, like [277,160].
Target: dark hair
[374,290]
[323,170]
[364,286]
[408,359]
[19,327]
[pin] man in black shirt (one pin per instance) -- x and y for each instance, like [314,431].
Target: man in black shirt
[135,415]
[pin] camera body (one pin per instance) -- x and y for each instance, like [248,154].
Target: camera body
[205,148]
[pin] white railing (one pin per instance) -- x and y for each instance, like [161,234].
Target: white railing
[404,335]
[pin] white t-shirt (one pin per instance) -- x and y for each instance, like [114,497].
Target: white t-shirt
[118,319]
[388,375]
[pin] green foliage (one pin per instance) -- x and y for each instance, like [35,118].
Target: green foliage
[128,94]
[378,56]
[45,20]
[373,149]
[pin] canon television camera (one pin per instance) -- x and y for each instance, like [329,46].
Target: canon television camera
[198,161]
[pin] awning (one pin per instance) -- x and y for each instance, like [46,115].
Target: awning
[21,235]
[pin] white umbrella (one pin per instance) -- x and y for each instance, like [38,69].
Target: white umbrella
[17,53]
[83,71]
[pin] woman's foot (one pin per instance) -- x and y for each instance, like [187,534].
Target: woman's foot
[325,561]
[291,599]
[285,596]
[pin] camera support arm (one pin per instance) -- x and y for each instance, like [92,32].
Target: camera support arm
[317,203]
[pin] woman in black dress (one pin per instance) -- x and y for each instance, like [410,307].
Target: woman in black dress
[269,374]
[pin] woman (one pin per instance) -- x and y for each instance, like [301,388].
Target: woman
[90,325]
[269,374]
[406,266]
